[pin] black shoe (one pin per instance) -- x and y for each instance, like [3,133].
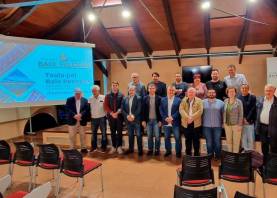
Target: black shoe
[196,154]
[91,150]
[167,154]
[178,155]
[84,151]
[149,153]
[157,153]
[140,153]
[128,152]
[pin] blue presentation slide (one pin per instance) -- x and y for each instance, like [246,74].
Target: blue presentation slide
[32,74]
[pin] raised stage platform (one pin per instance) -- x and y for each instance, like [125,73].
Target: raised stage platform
[59,136]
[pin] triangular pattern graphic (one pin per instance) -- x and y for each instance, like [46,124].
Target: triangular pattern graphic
[17,82]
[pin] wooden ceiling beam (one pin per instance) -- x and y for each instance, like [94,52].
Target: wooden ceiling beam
[243,34]
[100,65]
[147,50]
[65,20]
[118,50]
[207,33]
[172,30]
[16,19]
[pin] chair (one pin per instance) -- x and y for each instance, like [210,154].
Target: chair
[6,155]
[180,192]
[41,191]
[24,156]
[241,195]
[5,182]
[236,167]
[73,165]
[269,171]
[196,171]
[49,159]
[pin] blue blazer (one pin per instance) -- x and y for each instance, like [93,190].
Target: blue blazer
[71,111]
[135,109]
[174,110]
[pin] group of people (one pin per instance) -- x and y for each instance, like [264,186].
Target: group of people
[179,108]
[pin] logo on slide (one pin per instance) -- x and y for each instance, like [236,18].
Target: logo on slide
[17,82]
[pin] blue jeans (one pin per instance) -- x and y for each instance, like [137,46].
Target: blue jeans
[167,135]
[132,128]
[95,124]
[248,137]
[213,141]
[153,130]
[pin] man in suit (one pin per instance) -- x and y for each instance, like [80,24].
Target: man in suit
[131,109]
[77,113]
[151,119]
[169,109]
[191,110]
[266,123]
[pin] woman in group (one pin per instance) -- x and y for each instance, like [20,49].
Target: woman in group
[201,89]
[233,119]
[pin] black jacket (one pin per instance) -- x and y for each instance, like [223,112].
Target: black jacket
[272,126]
[72,111]
[146,107]
[135,109]
[249,108]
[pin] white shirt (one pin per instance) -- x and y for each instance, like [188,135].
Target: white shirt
[264,118]
[97,106]
[170,102]
[130,104]
[78,105]
[190,107]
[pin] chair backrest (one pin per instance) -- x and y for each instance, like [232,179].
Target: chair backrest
[236,164]
[72,161]
[180,192]
[5,150]
[49,154]
[196,167]
[41,191]
[241,195]
[5,182]
[24,151]
[270,167]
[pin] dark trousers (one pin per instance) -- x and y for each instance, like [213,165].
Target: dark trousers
[265,140]
[134,127]
[116,126]
[97,123]
[192,136]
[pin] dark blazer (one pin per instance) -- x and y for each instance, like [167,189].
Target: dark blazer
[174,110]
[272,126]
[146,106]
[249,108]
[135,109]
[72,111]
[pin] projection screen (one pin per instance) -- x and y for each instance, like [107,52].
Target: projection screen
[35,72]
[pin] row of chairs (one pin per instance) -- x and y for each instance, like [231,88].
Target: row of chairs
[197,171]
[71,163]
[180,192]
[41,191]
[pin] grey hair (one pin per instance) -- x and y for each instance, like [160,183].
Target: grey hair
[191,88]
[271,86]
[171,86]
[131,87]
[96,87]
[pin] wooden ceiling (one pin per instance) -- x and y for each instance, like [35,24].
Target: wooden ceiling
[183,25]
